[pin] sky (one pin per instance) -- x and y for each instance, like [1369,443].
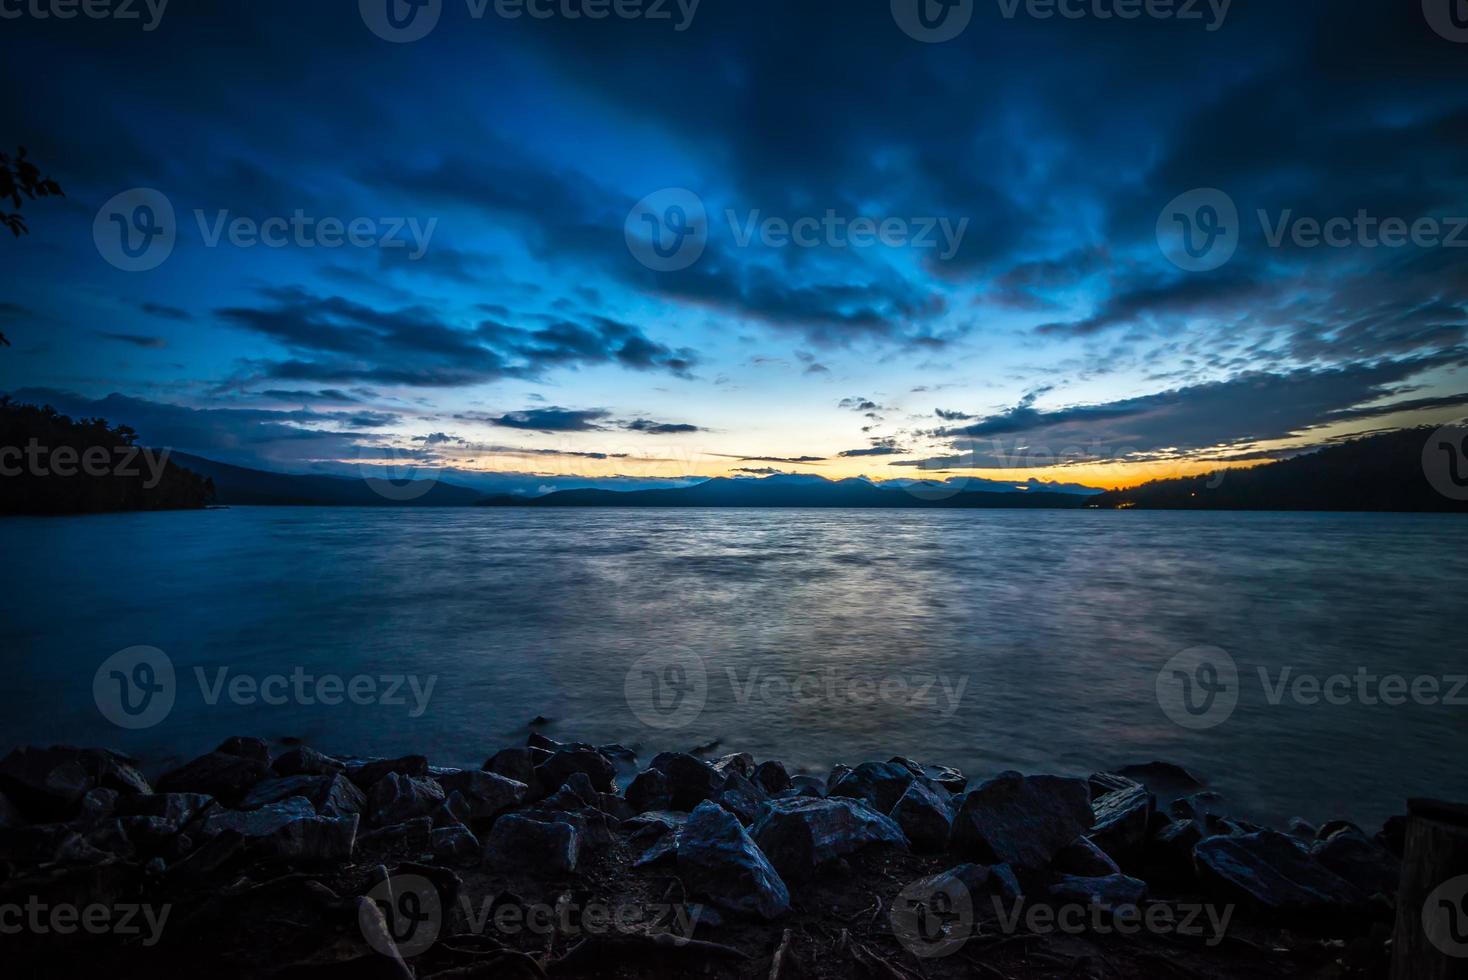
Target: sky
[528,247]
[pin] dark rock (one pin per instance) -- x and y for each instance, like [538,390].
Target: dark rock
[554,772]
[1273,873]
[45,783]
[837,771]
[414,835]
[544,742]
[1084,859]
[650,790]
[1102,783]
[690,780]
[1331,828]
[290,829]
[306,761]
[227,778]
[1364,863]
[516,764]
[395,798]
[655,823]
[799,835]
[1162,778]
[880,784]
[97,805]
[622,757]
[178,808]
[948,778]
[10,815]
[246,747]
[332,796]
[1303,829]
[148,834]
[1393,835]
[719,861]
[455,844]
[76,849]
[488,794]
[519,841]
[926,818]
[1171,851]
[808,786]
[1110,892]
[1199,807]
[771,777]
[33,843]
[367,774]
[1122,820]
[1005,883]
[1019,820]
[454,809]
[741,798]
[740,762]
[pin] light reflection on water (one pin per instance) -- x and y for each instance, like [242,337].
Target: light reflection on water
[1056,623]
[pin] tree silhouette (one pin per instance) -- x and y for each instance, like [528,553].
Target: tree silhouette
[19,176]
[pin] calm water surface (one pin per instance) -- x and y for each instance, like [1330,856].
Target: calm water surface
[1040,634]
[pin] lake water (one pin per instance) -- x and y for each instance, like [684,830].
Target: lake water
[984,640]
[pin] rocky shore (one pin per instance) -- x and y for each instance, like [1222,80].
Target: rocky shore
[564,859]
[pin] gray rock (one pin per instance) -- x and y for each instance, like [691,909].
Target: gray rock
[879,784]
[367,774]
[948,778]
[799,835]
[622,757]
[1109,892]
[690,780]
[259,822]
[306,761]
[1303,829]
[1019,820]
[1122,820]
[518,841]
[290,829]
[148,834]
[178,808]
[808,786]
[246,747]
[1084,859]
[650,790]
[455,844]
[225,777]
[735,762]
[1005,883]
[1102,783]
[741,798]
[719,861]
[332,795]
[1364,863]
[1273,873]
[97,805]
[1199,807]
[516,763]
[926,818]
[395,798]
[414,835]
[488,794]
[554,772]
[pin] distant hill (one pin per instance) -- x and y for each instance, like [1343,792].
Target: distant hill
[240,485]
[1376,473]
[803,492]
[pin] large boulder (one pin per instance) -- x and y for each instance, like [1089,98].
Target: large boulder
[305,761]
[741,797]
[225,777]
[332,796]
[1122,820]
[1084,859]
[395,798]
[553,773]
[1273,873]
[518,841]
[690,780]
[800,834]
[772,777]
[1023,821]
[650,790]
[49,783]
[366,774]
[1364,863]
[925,817]
[516,763]
[879,784]
[719,861]
[488,794]
[290,829]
